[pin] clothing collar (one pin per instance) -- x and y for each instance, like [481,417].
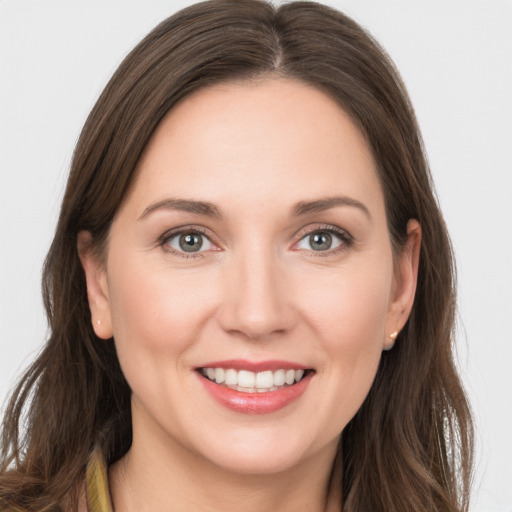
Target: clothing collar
[98,494]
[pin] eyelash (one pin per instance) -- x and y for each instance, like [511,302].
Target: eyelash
[346,240]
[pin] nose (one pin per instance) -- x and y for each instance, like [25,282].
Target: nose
[257,302]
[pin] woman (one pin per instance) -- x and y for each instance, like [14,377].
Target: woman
[250,289]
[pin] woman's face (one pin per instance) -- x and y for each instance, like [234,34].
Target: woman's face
[251,250]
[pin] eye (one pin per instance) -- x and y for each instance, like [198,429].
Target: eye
[188,242]
[324,240]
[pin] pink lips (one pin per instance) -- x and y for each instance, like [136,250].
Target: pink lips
[255,403]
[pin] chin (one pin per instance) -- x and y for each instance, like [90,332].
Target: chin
[257,462]
[265,453]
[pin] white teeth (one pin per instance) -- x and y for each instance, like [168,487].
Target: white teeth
[246,390]
[264,379]
[251,382]
[219,375]
[279,377]
[246,379]
[231,378]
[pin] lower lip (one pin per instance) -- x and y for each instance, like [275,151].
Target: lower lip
[256,403]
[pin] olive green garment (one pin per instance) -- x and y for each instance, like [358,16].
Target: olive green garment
[98,495]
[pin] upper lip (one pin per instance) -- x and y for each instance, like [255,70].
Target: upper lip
[254,366]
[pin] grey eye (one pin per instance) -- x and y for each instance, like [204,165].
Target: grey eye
[320,241]
[191,241]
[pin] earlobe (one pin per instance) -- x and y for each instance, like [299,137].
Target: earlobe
[97,287]
[404,290]
[391,342]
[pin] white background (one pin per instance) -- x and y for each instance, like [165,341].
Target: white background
[455,57]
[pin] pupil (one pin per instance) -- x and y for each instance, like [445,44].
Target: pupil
[321,241]
[190,242]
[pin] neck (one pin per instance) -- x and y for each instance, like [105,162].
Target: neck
[155,475]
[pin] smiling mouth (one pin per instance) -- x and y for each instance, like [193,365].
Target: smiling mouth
[247,381]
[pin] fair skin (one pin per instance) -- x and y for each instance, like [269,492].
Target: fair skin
[262,277]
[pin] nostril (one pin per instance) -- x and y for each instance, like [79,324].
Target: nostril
[254,323]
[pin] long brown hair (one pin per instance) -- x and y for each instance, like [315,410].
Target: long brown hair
[409,447]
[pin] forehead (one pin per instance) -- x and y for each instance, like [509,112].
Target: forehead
[260,141]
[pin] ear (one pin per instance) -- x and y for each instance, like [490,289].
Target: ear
[404,288]
[97,288]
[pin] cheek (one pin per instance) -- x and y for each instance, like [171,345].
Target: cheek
[349,306]
[156,315]
[347,311]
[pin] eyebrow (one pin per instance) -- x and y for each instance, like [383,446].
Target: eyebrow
[184,205]
[207,209]
[320,205]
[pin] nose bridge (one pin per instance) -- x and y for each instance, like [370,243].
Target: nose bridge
[257,303]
